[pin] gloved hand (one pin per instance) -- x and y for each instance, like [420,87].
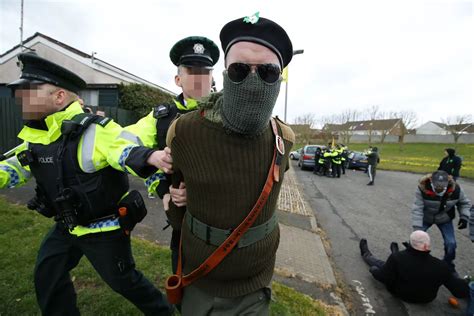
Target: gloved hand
[462,223]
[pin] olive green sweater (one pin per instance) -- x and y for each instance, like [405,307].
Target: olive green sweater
[224,175]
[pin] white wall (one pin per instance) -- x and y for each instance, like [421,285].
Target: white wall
[430,128]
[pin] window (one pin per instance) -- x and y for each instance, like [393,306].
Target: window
[90,97]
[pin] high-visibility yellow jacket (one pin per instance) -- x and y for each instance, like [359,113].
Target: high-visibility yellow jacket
[138,141]
[92,153]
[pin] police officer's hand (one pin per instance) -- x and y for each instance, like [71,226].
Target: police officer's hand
[161,159]
[462,223]
[178,195]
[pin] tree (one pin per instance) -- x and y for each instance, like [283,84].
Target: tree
[383,133]
[371,114]
[348,115]
[330,127]
[456,124]
[304,130]
[408,120]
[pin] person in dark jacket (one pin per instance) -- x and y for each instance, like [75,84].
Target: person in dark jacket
[317,155]
[436,198]
[451,163]
[413,274]
[373,159]
[344,158]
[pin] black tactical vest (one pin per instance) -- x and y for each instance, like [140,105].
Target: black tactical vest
[95,195]
[165,114]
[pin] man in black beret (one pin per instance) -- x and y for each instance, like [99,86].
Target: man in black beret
[194,56]
[227,153]
[65,150]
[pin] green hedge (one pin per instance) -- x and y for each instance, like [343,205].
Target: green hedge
[141,98]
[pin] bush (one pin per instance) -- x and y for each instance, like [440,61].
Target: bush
[141,98]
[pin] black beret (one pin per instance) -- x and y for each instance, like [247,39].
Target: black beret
[37,70]
[195,51]
[261,31]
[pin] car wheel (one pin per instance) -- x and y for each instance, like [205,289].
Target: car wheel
[292,157]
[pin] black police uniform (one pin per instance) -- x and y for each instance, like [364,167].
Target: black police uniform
[76,197]
[317,156]
[183,53]
[195,52]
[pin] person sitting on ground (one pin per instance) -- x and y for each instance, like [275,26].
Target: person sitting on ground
[413,274]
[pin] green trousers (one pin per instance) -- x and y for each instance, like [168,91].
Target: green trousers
[196,302]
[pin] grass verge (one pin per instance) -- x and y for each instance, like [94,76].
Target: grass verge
[422,158]
[418,157]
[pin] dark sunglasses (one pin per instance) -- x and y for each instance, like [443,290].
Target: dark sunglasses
[237,72]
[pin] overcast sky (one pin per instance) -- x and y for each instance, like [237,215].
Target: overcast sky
[400,55]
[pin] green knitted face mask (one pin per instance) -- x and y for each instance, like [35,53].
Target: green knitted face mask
[248,105]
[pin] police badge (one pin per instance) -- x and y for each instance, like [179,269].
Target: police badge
[198,48]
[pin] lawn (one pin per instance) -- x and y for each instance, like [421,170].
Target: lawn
[422,158]
[418,157]
[21,232]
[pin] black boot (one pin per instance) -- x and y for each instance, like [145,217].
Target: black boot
[370,183]
[394,247]
[364,248]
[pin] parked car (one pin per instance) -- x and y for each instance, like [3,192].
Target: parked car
[357,160]
[306,160]
[295,155]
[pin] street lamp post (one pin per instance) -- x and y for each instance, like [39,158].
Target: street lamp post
[295,52]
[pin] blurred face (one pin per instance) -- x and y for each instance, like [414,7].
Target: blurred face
[195,82]
[39,101]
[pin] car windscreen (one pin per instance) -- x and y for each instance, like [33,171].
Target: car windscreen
[310,150]
[359,156]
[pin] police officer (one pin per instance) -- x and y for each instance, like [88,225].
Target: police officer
[336,162]
[65,150]
[195,57]
[325,161]
[317,156]
[344,157]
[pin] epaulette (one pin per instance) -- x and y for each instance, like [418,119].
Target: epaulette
[286,131]
[164,115]
[85,119]
[161,110]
